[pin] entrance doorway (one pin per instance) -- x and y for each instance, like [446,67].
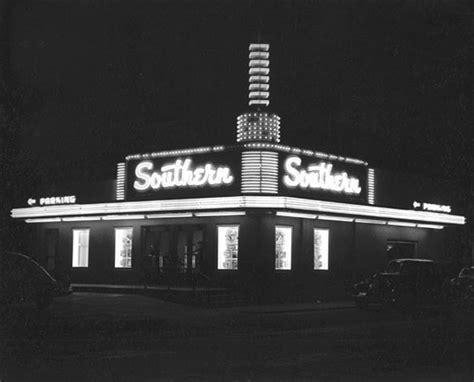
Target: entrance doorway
[52,250]
[52,260]
[399,249]
[172,253]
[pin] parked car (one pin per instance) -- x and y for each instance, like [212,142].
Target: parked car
[462,286]
[405,283]
[24,281]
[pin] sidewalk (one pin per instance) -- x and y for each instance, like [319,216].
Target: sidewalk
[160,291]
[135,288]
[299,307]
[84,314]
[135,310]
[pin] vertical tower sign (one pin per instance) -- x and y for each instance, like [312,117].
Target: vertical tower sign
[259,168]
[259,125]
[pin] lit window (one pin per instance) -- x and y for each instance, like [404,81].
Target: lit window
[123,247]
[80,248]
[227,247]
[321,249]
[283,248]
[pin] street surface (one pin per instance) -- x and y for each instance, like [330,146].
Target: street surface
[118,337]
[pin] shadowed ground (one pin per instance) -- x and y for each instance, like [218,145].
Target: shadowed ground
[101,337]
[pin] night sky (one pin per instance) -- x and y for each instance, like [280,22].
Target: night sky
[385,81]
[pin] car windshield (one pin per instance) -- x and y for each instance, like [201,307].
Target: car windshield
[467,272]
[412,267]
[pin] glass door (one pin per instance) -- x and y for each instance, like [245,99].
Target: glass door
[172,253]
[189,248]
[156,258]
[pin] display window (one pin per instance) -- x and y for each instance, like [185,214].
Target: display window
[123,247]
[228,247]
[283,247]
[80,248]
[321,249]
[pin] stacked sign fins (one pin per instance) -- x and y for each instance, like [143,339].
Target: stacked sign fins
[259,74]
[259,125]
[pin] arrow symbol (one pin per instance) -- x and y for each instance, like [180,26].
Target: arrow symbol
[31,201]
[416,204]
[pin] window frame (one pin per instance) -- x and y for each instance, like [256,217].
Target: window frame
[291,248]
[115,249]
[328,230]
[218,246]
[87,229]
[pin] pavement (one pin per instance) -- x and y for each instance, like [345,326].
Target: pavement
[130,337]
[187,296]
[122,306]
[86,312]
[133,296]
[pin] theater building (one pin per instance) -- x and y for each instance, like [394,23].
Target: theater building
[285,222]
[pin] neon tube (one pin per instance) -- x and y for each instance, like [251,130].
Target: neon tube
[123,217]
[296,215]
[47,220]
[336,218]
[430,226]
[167,216]
[402,224]
[222,203]
[370,221]
[220,213]
[81,218]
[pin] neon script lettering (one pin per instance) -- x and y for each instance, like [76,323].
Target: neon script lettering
[318,176]
[180,174]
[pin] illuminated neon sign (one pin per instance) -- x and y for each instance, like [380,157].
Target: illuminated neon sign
[180,174]
[432,207]
[53,200]
[318,176]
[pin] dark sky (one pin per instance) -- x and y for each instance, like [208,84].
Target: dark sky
[386,81]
